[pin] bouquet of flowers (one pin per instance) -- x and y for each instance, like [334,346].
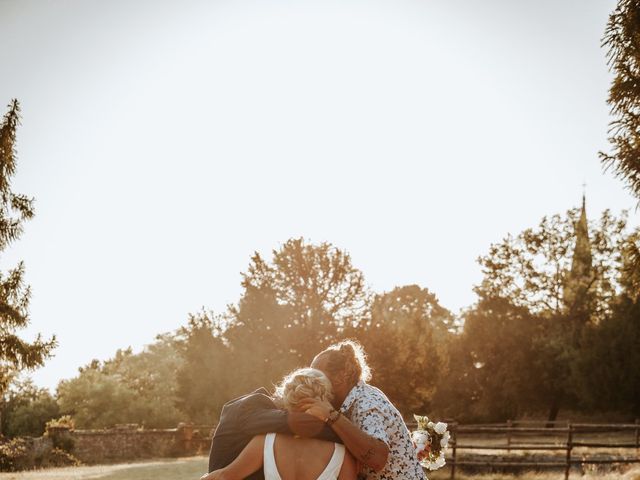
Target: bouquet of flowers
[430,441]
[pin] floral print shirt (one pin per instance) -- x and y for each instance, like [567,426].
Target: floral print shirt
[370,409]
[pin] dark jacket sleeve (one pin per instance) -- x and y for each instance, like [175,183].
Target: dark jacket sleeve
[259,415]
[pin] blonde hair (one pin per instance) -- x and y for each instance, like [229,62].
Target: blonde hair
[304,383]
[347,356]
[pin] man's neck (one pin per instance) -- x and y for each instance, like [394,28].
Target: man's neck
[341,396]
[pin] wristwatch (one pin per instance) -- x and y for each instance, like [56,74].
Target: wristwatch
[333,417]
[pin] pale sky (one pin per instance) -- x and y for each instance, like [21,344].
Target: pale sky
[165,141]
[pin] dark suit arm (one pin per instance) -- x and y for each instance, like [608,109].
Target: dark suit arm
[259,416]
[261,419]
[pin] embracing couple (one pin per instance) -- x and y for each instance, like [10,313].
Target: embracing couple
[322,423]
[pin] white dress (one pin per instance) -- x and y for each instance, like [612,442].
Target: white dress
[331,471]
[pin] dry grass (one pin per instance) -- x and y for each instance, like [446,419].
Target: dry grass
[179,469]
[629,473]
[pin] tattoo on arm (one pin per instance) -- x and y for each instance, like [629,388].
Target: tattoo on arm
[365,457]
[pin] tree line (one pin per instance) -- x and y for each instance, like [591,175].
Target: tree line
[546,334]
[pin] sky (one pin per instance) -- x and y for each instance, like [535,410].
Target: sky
[165,142]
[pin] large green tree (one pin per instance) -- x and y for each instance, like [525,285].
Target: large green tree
[15,209]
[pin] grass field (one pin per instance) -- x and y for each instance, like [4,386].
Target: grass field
[192,468]
[180,469]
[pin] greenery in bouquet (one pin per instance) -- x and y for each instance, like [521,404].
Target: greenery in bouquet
[430,441]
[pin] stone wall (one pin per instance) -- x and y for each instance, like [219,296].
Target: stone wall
[110,446]
[120,444]
[100,446]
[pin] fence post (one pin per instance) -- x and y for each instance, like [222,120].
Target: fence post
[509,426]
[569,447]
[454,435]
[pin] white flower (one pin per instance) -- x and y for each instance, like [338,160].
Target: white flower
[420,437]
[430,425]
[440,428]
[440,462]
[444,442]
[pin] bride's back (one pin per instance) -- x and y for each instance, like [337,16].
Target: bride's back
[302,458]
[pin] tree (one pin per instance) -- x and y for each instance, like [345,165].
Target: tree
[318,283]
[15,209]
[291,308]
[609,368]
[406,340]
[516,362]
[622,38]
[208,376]
[541,290]
[26,409]
[129,388]
[539,267]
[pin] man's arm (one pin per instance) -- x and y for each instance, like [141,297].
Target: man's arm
[308,426]
[261,416]
[370,450]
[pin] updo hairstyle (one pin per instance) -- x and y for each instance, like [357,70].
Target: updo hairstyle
[347,356]
[304,383]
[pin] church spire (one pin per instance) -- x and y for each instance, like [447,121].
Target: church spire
[579,277]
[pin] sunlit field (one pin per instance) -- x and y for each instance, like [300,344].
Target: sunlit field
[192,468]
[179,469]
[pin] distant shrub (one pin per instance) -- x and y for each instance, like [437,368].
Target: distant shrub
[59,430]
[62,422]
[61,458]
[13,455]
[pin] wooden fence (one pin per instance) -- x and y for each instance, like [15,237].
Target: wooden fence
[558,437]
[555,438]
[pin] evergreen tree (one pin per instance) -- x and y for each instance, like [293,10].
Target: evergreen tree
[15,209]
[622,38]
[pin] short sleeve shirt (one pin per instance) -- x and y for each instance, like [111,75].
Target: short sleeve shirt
[370,409]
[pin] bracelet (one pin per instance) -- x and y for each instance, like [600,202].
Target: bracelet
[333,417]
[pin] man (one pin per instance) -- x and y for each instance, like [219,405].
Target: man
[367,422]
[253,414]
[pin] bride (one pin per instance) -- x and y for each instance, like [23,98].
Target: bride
[285,457]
